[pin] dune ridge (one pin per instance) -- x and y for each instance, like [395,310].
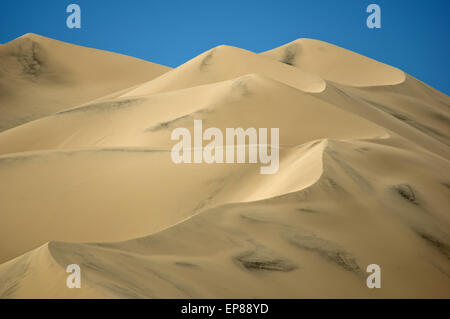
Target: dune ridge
[363,178]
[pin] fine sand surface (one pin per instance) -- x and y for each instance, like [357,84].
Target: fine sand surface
[40,76]
[86,176]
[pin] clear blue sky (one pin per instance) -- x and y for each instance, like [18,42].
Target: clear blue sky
[414,35]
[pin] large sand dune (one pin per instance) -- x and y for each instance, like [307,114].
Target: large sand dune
[363,177]
[40,76]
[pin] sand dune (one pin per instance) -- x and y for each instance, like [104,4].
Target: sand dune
[40,76]
[147,120]
[333,63]
[363,178]
[225,63]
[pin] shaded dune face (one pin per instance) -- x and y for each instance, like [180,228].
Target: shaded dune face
[86,176]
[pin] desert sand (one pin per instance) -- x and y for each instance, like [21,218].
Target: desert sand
[86,176]
[41,76]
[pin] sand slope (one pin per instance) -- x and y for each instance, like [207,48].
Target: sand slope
[148,120]
[363,178]
[40,76]
[333,63]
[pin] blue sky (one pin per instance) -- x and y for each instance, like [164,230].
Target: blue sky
[414,34]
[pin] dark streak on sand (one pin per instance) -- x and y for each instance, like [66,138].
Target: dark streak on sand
[407,192]
[312,144]
[103,106]
[29,58]
[446,185]
[326,249]
[171,123]
[240,86]
[438,243]
[207,60]
[289,54]
[256,261]
[306,210]
[362,149]
[328,182]
[186,264]
[348,169]
[166,125]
